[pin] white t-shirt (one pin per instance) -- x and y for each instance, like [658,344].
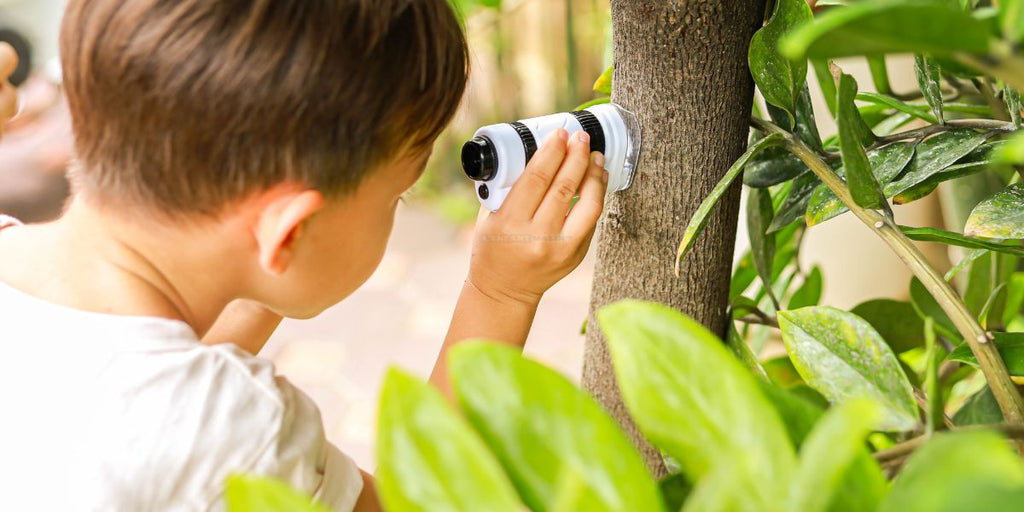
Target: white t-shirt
[108,412]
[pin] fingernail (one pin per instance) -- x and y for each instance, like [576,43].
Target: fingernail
[582,136]
[604,177]
[598,158]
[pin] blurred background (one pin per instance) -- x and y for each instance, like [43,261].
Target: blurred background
[529,57]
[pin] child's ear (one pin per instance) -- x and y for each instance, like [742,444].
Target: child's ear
[280,224]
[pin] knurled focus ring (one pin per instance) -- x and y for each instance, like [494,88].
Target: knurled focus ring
[593,128]
[525,135]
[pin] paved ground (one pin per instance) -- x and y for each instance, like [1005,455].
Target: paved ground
[399,317]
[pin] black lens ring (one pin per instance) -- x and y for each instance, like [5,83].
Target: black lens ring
[479,150]
[593,128]
[526,136]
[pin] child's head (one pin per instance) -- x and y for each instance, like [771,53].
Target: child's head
[266,110]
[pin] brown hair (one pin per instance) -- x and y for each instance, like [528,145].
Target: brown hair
[186,105]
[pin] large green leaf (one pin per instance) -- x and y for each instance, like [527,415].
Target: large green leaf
[886,163]
[896,321]
[1000,216]
[852,133]
[1011,348]
[545,432]
[695,401]
[258,494]
[828,453]
[980,409]
[428,457]
[843,357]
[703,213]
[779,79]
[951,467]
[927,71]
[934,155]
[863,485]
[887,26]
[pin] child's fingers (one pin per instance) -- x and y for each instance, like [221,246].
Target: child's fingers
[584,215]
[8,61]
[529,189]
[558,199]
[8,102]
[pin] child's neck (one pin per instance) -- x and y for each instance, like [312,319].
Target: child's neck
[94,260]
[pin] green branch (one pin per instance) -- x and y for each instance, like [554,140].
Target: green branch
[992,365]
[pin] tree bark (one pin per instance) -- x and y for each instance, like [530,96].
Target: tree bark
[681,66]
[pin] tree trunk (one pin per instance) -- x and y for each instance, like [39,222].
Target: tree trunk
[681,66]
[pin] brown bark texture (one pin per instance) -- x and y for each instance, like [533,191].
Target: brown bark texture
[681,66]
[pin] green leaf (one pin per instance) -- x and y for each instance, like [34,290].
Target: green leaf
[694,400]
[951,467]
[1013,151]
[591,103]
[879,74]
[703,213]
[859,178]
[742,351]
[1014,297]
[890,26]
[886,163]
[806,127]
[826,82]
[842,356]
[545,431]
[762,244]
[717,492]
[927,71]
[603,84]
[933,155]
[1000,216]
[1011,19]
[956,239]
[795,205]
[896,321]
[779,79]
[1011,348]
[1013,104]
[781,372]
[809,293]
[889,101]
[926,306]
[863,485]
[979,284]
[932,182]
[675,489]
[772,166]
[980,409]
[422,443]
[829,452]
[742,276]
[259,494]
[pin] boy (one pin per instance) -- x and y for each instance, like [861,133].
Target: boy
[239,161]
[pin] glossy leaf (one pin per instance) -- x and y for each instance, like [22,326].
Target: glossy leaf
[842,356]
[421,443]
[1000,216]
[694,400]
[951,467]
[859,178]
[980,409]
[806,127]
[779,79]
[896,321]
[927,71]
[829,452]
[546,432]
[929,185]
[762,244]
[259,494]
[956,239]
[703,213]
[933,155]
[795,206]
[1011,348]
[603,84]
[772,166]
[886,163]
[888,26]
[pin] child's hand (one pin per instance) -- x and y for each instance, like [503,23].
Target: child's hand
[8,94]
[530,243]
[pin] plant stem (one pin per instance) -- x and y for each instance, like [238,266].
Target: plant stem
[953,124]
[992,365]
[904,449]
[759,320]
